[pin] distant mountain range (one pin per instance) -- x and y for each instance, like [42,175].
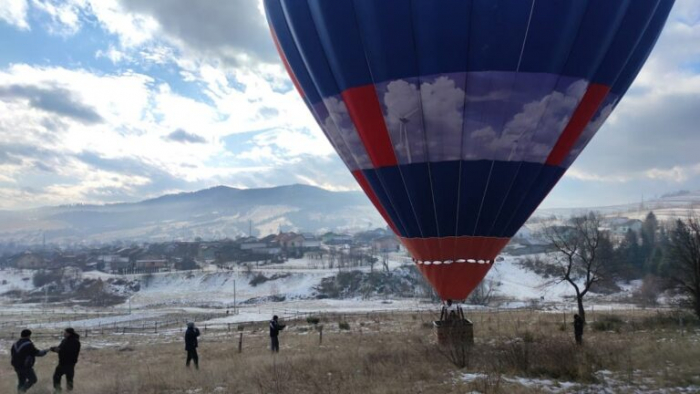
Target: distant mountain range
[222,212]
[214,213]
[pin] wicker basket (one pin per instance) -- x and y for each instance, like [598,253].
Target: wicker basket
[454,331]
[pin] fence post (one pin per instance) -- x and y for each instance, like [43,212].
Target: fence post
[240,343]
[320,335]
[155,327]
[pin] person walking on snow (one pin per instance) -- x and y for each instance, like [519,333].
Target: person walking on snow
[191,344]
[68,352]
[23,354]
[275,328]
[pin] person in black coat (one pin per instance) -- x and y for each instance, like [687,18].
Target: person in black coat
[275,328]
[191,344]
[23,354]
[578,329]
[68,352]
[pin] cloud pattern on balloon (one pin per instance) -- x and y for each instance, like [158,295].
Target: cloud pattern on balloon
[489,115]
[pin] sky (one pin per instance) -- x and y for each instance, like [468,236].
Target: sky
[107,101]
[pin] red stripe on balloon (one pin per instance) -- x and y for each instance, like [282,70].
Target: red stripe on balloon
[454,281]
[468,260]
[286,63]
[363,107]
[362,181]
[453,248]
[594,96]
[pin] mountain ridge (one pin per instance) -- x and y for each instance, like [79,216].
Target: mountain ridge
[216,212]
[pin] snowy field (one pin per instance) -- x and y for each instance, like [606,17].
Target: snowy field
[289,291]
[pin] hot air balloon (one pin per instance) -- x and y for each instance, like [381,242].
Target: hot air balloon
[457,117]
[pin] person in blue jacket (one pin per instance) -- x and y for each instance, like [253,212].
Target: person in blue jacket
[24,354]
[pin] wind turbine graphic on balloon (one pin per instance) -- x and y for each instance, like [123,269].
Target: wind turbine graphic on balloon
[403,133]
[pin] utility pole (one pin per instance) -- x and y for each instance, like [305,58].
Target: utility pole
[234,297]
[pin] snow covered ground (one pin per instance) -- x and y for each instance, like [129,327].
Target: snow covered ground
[607,382]
[11,280]
[291,284]
[520,284]
[217,288]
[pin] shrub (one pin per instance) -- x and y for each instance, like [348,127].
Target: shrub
[42,278]
[608,323]
[672,319]
[313,320]
[528,337]
[343,325]
[551,357]
[258,279]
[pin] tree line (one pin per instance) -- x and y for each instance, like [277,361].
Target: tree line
[666,255]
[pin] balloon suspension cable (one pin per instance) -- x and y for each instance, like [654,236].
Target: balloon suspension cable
[452,311]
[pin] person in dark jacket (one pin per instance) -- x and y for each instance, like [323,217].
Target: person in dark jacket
[275,328]
[578,329]
[191,344]
[24,354]
[68,352]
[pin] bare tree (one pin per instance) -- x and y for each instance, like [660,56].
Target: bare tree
[684,260]
[372,259]
[581,259]
[385,261]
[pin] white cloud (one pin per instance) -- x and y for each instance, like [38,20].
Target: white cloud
[295,143]
[651,138]
[125,150]
[675,174]
[132,29]
[64,15]
[114,54]
[14,12]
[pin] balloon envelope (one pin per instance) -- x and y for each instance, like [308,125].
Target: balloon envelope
[457,117]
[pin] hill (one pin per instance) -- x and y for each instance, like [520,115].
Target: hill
[214,213]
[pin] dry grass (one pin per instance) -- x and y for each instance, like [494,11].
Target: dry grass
[382,354]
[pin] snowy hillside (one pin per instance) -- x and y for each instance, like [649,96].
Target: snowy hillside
[295,285]
[670,206]
[215,213]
